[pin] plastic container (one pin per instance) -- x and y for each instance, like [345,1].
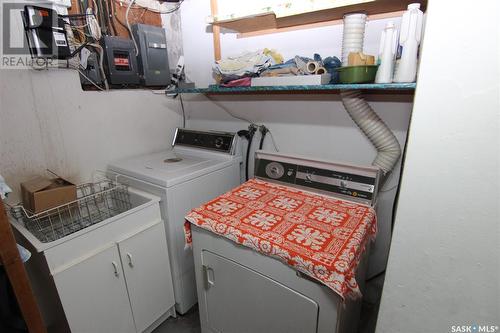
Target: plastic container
[353,35]
[387,53]
[409,41]
[357,74]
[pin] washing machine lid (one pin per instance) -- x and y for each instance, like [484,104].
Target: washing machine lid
[169,168]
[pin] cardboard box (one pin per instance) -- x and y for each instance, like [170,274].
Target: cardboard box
[42,193]
[360,59]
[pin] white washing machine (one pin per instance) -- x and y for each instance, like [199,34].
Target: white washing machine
[241,290]
[200,166]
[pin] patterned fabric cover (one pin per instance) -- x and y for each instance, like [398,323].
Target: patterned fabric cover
[319,236]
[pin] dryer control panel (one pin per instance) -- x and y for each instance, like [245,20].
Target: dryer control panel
[212,140]
[355,183]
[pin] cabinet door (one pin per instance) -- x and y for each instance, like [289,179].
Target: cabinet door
[93,294]
[147,272]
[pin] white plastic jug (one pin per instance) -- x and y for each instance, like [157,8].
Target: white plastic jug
[387,53]
[409,41]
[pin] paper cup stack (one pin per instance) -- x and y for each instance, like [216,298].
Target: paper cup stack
[354,33]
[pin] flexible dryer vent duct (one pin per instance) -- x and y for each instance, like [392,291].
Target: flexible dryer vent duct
[359,110]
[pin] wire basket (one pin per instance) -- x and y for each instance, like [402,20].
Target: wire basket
[96,202]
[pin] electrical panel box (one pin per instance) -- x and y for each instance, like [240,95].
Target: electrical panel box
[153,56]
[45,33]
[120,61]
[92,71]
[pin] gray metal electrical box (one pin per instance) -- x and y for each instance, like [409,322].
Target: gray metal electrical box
[121,62]
[153,57]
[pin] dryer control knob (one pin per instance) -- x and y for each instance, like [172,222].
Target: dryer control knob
[219,142]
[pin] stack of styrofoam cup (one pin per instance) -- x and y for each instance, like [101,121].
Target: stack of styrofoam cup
[354,33]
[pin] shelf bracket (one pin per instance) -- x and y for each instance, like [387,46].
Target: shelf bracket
[215,31]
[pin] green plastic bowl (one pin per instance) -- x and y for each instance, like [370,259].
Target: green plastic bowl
[357,74]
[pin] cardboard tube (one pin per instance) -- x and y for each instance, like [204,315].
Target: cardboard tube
[320,70]
[312,66]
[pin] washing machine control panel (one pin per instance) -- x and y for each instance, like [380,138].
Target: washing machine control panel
[211,140]
[345,181]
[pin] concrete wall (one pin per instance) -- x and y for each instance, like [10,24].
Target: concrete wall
[444,266]
[47,121]
[308,124]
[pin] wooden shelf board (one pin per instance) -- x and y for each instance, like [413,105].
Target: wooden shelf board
[314,25]
[270,21]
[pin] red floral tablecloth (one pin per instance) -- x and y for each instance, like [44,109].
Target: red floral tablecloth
[319,236]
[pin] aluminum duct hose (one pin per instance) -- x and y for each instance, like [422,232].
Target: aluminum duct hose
[388,149]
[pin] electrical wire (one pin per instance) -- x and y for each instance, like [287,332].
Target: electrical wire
[129,28]
[111,14]
[244,119]
[169,11]
[100,50]
[251,132]
[273,141]
[387,180]
[263,132]
[97,13]
[75,67]
[106,16]
[88,79]
[93,25]
[116,16]
[78,26]
[183,112]
[229,112]
[261,144]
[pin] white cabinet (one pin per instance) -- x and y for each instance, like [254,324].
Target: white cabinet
[113,276]
[123,288]
[93,294]
[147,275]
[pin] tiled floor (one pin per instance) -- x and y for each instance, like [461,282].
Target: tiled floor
[190,322]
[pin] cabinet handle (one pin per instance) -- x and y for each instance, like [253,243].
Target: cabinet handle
[208,277]
[130,263]
[115,268]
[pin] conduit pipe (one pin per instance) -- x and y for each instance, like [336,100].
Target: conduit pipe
[388,149]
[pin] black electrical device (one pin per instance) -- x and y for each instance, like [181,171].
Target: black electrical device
[45,33]
[153,55]
[92,71]
[120,61]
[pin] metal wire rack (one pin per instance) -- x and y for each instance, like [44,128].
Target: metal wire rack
[96,202]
